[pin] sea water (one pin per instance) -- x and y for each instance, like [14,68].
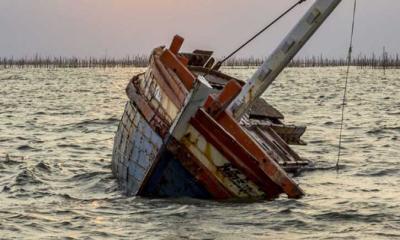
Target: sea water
[56,135]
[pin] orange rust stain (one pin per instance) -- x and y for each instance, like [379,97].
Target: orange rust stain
[268,165]
[211,167]
[235,153]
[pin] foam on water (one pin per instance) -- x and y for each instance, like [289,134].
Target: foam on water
[56,130]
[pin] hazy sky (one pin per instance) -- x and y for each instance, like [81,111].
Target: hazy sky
[127,27]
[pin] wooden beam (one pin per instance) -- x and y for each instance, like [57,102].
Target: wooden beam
[170,60]
[176,44]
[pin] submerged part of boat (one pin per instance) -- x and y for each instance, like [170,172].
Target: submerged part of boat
[189,130]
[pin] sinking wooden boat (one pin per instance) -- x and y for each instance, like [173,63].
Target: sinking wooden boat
[189,130]
[161,150]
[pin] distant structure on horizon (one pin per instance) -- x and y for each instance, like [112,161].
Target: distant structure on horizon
[385,61]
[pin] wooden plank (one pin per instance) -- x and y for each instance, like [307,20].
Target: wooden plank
[199,172]
[156,120]
[262,109]
[269,133]
[178,85]
[216,105]
[219,166]
[170,60]
[200,92]
[290,134]
[176,44]
[167,83]
[270,167]
[234,152]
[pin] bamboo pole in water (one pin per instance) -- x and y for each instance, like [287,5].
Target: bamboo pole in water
[386,61]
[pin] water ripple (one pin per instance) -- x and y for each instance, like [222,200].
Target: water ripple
[57,127]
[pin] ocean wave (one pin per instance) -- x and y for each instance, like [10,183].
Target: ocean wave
[27,177]
[56,180]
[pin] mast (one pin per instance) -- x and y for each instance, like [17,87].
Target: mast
[282,55]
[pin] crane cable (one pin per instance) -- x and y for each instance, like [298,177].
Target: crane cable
[219,63]
[344,100]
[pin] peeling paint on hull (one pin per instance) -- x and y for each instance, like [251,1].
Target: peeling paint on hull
[176,138]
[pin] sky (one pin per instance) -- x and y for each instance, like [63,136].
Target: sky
[119,28]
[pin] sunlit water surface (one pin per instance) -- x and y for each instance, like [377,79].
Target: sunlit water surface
[56,130]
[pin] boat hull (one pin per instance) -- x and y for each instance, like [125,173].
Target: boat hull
[176,137]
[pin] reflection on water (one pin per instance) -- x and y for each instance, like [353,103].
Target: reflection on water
[56,130]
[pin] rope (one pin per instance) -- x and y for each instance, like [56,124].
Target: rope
[349,59]
[219,64]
